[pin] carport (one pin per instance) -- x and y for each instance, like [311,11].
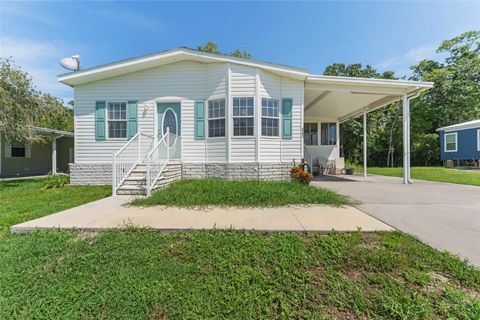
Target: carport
[339,99]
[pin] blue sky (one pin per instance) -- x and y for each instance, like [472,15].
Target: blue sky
[387,35]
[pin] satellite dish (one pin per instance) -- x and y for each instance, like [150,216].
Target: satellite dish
[71,63]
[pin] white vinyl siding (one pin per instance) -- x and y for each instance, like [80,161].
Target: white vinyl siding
[186,82]
[451,142]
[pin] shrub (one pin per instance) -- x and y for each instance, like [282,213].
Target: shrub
[299,175]
[56,181]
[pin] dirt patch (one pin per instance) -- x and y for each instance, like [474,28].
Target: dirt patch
[370,242]
[177,250]
[86,236]
[340,314]
[353,274]
[438,277]
[157,312]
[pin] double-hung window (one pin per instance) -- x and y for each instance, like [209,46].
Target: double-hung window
[270,117]
[451,142]
[216,118]
[310,134]
[243,116]
[328,134]
[117,120]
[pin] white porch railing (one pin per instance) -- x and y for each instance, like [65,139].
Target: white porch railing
[156,160]
[308,158]
[125,159]
[167,148]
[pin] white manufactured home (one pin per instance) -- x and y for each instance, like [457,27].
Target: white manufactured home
[143,122]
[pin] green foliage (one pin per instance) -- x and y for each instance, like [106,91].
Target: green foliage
[212,47]
[384,125]
[25,199]
[241,193]
[22,106]
[454,98]
[56,181]
[240,53]
[144,274]
[439,174]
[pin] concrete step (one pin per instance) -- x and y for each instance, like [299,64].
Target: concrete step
[132,189]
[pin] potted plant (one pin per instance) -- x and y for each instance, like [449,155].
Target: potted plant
[349,168]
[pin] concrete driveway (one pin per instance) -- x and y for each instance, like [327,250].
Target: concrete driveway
[444,215]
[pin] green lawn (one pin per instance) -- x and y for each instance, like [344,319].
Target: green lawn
[23,200]
[144,274]
[240,193]
[440,174]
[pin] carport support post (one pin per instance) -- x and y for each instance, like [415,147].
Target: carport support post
[406,139]
[364,144]
[54,155]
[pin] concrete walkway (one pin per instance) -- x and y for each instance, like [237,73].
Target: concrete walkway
[112,213]
[444,215]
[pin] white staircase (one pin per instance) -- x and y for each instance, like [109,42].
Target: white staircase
[139,173]
[136,181]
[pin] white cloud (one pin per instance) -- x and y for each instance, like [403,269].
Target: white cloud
[401,63]
[41,60]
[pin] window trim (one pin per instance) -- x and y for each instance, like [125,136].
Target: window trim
[243,117]
[107,135]
[478,139]
[445,141]
[269,117]
[320,135]
[207,126]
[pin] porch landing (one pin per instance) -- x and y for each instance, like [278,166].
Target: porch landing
[112,213]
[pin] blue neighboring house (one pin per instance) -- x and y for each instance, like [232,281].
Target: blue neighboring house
[460,142]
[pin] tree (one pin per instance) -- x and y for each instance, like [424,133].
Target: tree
[212,47]
[22,106]
[383,124]
[454,98]
[241,54]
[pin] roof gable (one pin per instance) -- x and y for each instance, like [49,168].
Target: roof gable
[171,56]
[461,126]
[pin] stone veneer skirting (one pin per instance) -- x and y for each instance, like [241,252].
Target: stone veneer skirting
[246,170]
[91,173]
[101,173]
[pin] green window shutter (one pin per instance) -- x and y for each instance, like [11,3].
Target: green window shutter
[199,120]
[100,120]
[132,118]
[287,118]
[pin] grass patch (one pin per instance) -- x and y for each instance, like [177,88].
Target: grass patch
[143,274]
[439,174]
[25,199]
[239,193]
